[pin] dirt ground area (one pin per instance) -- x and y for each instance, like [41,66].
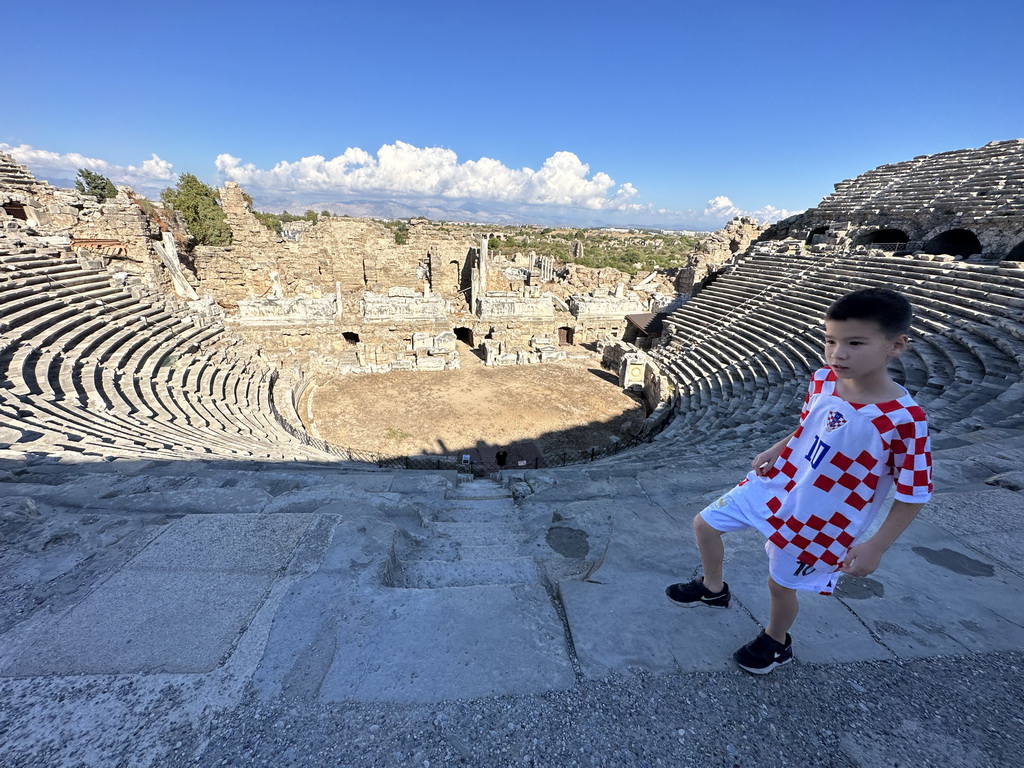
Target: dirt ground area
[571,405]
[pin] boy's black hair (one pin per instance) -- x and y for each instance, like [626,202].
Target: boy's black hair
[887,308]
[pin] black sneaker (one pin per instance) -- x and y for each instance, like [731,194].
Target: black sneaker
[763,654]
[693,592]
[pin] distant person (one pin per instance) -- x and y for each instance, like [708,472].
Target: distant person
[501,458]
[817,491]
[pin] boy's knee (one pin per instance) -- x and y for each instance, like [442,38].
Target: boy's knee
[700,525]
[778,589]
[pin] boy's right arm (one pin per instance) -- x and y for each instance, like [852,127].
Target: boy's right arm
[766,459]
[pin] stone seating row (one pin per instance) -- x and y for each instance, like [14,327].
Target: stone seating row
[971,181]
[87,366]
[964,365]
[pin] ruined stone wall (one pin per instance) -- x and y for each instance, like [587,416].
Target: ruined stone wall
[68,215]
[360,254]
[33,203]
[602,315]
[123,220]
[717,250]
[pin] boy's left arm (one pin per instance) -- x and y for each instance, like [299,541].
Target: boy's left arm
[863,557]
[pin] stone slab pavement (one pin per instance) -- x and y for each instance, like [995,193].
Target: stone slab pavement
[180,605]
[292,604]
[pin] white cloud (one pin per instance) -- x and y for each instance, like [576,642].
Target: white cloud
[154,173]
[402,180]
[403,170]
[721,209]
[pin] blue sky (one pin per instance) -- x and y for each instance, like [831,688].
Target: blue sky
[670,114]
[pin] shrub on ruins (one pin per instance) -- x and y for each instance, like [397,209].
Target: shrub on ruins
[400,231]
[275,221]
[95,185]
[633,252]
[199,205]
[269,220]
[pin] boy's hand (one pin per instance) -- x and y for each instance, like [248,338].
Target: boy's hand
[862,559]
[765,460]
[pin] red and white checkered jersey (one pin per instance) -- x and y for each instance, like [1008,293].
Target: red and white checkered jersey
[834,474]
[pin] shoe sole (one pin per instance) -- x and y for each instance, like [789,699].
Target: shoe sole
[695,602]
[763,670]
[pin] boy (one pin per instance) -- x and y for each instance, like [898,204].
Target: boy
[814,492]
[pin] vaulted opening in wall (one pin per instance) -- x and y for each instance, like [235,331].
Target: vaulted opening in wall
[955,242]
[884,237]
[15,210]
[565,335]
[1017,254]
[465,335]
[815,233]
[350,337]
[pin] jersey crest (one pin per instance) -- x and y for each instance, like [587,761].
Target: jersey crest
[834,421]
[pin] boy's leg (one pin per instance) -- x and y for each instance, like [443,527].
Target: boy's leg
[773,647]
[783,611]
[712,553]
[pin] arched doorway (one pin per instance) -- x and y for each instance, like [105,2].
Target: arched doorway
[955,242]
[465,335]
[565,336]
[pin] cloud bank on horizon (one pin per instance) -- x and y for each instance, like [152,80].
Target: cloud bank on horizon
[403,180]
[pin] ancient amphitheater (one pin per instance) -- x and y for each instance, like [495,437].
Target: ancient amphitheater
[191,579]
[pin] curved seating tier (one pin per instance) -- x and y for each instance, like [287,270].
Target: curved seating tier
[740,352]
[87,366]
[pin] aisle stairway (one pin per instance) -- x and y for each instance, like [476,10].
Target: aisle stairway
[476,538]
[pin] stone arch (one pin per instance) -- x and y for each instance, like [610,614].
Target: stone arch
[464,334]
[956,242]
[1016,253]
[883,237]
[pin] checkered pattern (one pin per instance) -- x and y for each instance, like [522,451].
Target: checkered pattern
[815,538]
[832,477]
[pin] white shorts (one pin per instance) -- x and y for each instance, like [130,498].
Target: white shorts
[726,515]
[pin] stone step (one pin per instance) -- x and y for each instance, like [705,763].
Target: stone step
[486,510]
[480,489]
[475,533]
[452,550]
[440,574]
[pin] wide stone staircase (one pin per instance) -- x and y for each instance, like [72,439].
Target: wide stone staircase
[476,538]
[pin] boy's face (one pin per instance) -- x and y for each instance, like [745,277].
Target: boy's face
[858,349]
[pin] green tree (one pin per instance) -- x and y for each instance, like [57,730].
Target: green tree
[269,220]
[198,204]
[95,184]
